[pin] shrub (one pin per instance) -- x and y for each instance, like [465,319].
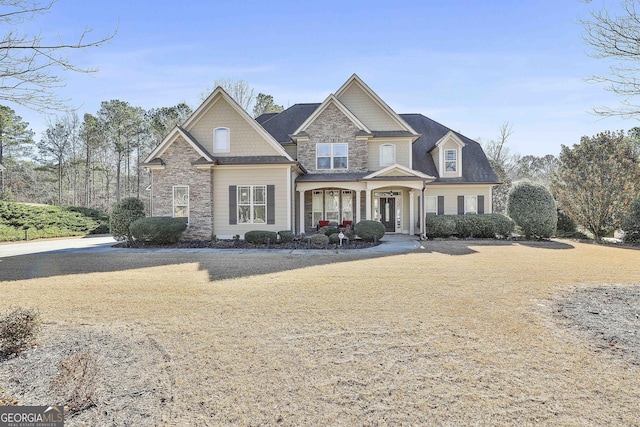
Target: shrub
[503,226]
[157,230]
[124,213]
[286,236]
[18,329]
[533,209]
[319,240]
[260,237]
[631,223]
[369,230]
[78,381]
[440,226]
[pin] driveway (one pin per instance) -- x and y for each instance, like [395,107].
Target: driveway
[72,244]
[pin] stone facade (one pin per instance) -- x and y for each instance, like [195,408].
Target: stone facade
[180,171]
[333,126]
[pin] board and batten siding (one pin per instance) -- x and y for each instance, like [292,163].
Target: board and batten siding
[244,139]
[225,177]
[451,193]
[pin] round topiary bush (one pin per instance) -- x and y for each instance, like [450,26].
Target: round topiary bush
[369,230]
[631,223]
[260,237]
[124,213]
[319,240]
[533,209]
[158,230]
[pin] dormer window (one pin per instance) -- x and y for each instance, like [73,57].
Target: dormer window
[221,140]
[387,154]
[450,160]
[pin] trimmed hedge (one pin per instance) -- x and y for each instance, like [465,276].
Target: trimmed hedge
[369,230]
[469,226]
[157,230]
[124,213]
[533,209]
[319,240]
[286,236]
[260,237]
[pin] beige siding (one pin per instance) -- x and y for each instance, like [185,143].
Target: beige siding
[451,193]
[256,175]
[367,110]
[403,153]
[245,140]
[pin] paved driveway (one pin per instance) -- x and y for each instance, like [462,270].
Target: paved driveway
[56,245]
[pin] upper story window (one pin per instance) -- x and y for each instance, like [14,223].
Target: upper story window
[221,140]
[387,154]
[331,156]
[451,160]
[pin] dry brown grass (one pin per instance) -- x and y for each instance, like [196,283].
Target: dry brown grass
[416,339]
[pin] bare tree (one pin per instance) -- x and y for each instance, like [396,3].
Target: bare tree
[239,90]
[30,65]
[503,163]
[617,38]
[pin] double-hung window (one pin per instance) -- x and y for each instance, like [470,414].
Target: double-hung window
[450,160]
[181,202]
[252,204]
[431,205]
[470,204]
[332,155]
[387,154]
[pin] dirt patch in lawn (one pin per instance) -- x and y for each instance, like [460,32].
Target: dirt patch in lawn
[457,333]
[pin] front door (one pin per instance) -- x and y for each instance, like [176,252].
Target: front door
[387,213]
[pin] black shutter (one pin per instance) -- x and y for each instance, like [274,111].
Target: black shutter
[460,205]
[480,205]
[271,204]
[440,205]
[233,204]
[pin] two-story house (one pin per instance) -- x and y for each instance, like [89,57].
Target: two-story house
[346,159]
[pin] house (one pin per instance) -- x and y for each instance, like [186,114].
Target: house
[344,160]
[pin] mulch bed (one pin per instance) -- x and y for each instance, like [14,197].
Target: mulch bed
[241,244]
[609,315]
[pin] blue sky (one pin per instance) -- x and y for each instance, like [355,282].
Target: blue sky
[470,65]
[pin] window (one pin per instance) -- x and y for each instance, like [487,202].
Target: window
[316,208]
[332,205]
[450,160]
[470,204]
[347,205]
[181,202]
[431,205]
[387,154]
[221,140]
[331,156]
[252,204]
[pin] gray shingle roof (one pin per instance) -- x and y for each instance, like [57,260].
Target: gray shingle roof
[475,166]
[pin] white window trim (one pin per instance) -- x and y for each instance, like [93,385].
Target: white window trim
[332,155]
[252,204]
[446,161]
[174,204]
[393,157]
[465,204]
[228,146]
[435,204]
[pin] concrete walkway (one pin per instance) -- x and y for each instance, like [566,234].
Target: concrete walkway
[391,243]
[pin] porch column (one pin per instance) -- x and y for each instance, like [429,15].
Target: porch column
[423,214]
[358,207]
[412,214]
[368,206]
[302,214]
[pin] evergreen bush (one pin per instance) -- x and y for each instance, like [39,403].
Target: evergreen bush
[631,223]
[533,209]
[286,236]
[369,230]
[260,237]
[157,230]
[124,213]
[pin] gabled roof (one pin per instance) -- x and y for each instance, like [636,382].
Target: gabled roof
[331,100]
[475,166]
[356,81]
[169,139]
[281,125]
[401,171]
